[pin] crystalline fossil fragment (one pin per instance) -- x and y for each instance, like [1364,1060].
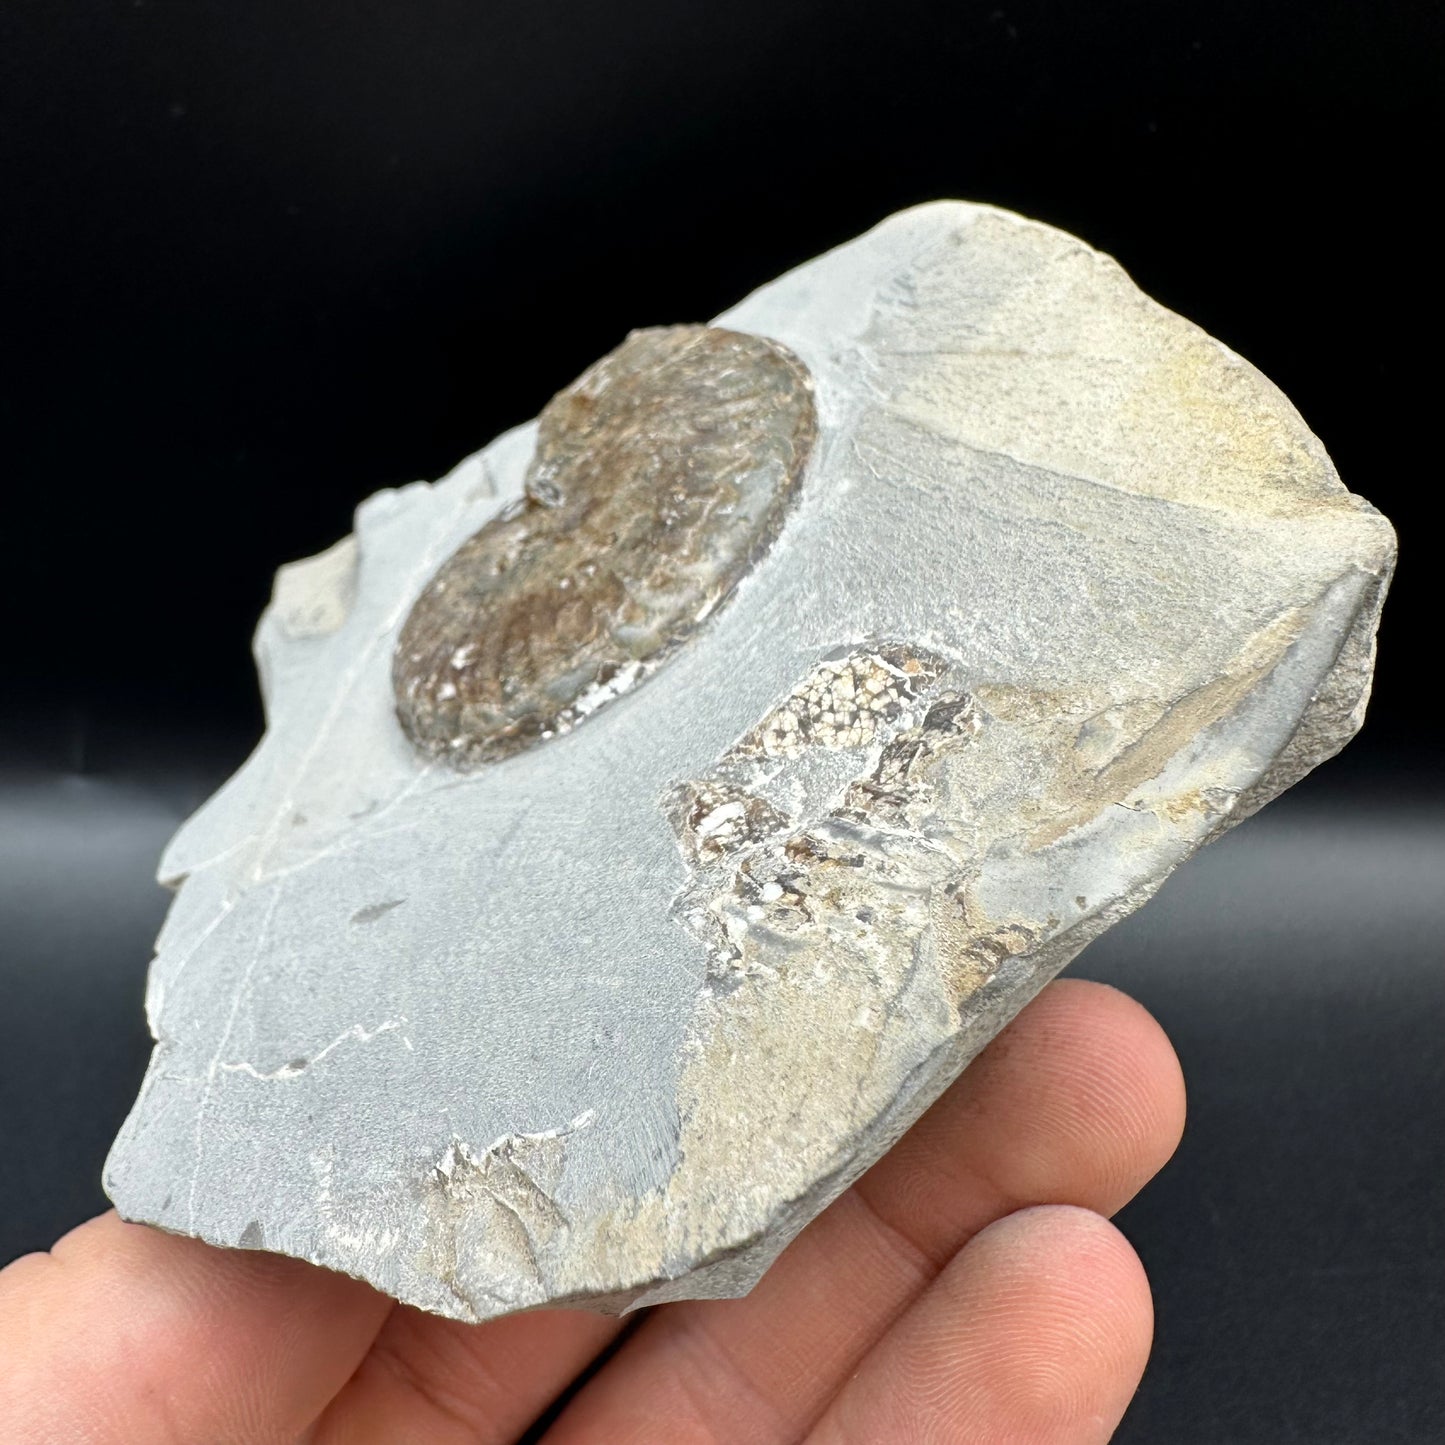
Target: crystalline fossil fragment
[878,870]
[972,591]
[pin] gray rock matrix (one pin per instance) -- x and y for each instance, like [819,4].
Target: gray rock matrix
[1066,589]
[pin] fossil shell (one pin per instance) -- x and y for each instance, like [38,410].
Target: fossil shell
[660,476]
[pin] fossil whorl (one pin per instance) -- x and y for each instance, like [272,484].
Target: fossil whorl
[660,475]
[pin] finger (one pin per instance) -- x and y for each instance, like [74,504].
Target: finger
[1036,1334]
[1078,1102]
[430,1381]
[122,1333]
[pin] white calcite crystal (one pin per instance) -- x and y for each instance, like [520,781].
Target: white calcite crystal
[1041,588]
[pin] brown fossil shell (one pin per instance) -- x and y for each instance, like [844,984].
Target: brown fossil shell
[660,475]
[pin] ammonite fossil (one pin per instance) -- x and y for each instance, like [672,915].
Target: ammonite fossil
[660,475]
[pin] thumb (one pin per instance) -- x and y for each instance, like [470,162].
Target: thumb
[124,1334]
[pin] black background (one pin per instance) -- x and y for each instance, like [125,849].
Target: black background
[259,260]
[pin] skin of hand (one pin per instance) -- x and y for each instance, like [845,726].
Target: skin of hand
[968,1288]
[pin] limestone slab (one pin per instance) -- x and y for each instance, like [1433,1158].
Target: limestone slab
[1061,589]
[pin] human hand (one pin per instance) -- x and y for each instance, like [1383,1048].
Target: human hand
[967,1288]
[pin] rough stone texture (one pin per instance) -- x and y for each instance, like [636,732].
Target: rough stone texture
[660,475]
[1067,589]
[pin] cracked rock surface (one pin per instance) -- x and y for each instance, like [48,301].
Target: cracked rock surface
[1063,589]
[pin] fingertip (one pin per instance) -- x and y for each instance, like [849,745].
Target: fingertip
[1068,1269]
[1139,1037]
[1037,1333]
[1106,1090]
[1068,1305]
[123,1332]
